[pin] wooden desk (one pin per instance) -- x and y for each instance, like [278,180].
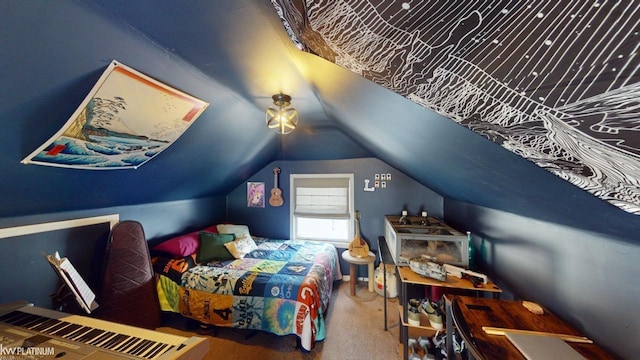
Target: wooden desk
[470,314]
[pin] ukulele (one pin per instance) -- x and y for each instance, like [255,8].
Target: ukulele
[358,247]
[276,193]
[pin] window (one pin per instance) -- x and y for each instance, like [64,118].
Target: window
[322,208]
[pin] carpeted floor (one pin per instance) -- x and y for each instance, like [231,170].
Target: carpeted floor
[355,330]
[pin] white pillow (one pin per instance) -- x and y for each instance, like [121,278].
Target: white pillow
[241,247]
[243,244]
[239,231]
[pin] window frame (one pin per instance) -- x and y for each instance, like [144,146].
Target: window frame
[351,207]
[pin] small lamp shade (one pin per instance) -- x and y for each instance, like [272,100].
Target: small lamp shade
[281,117]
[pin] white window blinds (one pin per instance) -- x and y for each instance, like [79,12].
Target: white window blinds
[327,196]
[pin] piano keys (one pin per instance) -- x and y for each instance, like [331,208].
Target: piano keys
[80,337]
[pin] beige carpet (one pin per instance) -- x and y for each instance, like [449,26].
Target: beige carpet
[355,330]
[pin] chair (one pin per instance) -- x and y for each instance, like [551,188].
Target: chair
[127,294]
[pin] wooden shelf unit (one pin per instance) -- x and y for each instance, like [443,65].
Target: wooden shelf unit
[424,321]
[409,277]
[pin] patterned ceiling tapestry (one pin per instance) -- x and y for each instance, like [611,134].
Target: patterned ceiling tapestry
[556,82]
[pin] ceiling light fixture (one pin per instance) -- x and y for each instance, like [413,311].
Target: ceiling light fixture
[282,118]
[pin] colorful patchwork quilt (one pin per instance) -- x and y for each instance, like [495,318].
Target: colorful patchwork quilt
[282,287]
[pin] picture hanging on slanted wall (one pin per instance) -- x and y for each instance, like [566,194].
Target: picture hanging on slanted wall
[126,120]
[255,194]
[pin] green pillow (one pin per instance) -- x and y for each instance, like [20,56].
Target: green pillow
[212,247]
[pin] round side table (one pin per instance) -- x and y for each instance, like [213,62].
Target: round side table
[353,263]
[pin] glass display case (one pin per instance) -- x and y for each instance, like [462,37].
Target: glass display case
[434,240]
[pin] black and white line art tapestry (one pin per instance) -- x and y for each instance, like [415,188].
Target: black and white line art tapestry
[556,82]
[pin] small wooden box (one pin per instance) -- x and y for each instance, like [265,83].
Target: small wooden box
[437,240]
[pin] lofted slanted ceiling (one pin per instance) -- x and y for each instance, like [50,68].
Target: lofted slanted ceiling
[555,83]
[235,54]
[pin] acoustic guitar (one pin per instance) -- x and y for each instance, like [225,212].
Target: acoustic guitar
[276,194]
[358,247]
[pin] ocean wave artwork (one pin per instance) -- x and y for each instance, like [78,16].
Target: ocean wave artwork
[109,152]
[126,120]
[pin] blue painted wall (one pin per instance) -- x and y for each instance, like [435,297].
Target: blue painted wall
[578,272]
[26,276]
[573,268]
[589,276]
[526,215]
[402,192]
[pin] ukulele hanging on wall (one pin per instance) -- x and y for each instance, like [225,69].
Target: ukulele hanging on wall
[276,194]
[358,247]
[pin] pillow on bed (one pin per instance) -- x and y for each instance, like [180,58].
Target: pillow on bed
[183,245]
[212,247]
[241,247]
[239,231]
[243,244]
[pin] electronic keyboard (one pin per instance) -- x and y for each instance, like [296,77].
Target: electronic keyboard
[43,333]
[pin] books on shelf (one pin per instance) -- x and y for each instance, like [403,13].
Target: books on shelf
[84,296]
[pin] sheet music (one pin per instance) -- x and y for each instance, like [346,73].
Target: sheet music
[85,292]
[84,295]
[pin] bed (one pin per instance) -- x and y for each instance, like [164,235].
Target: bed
[219,277]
